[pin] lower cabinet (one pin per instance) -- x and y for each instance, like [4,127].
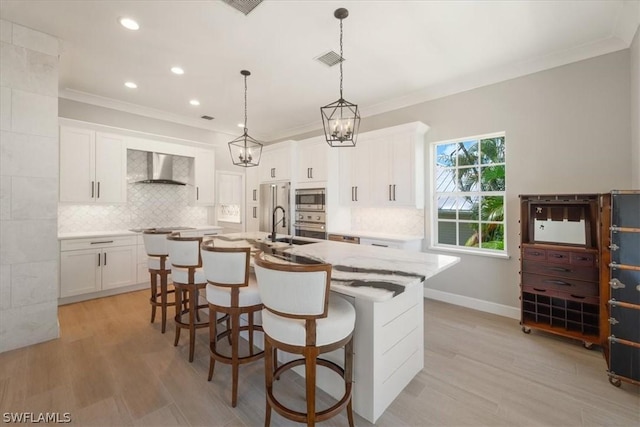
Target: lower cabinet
[407,245]
[93,265]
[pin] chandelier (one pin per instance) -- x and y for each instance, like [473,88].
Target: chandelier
[341,118]
[245,151]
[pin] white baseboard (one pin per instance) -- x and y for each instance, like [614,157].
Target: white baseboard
[100,294]
[474,303]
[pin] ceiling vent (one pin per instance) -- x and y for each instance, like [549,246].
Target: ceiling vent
[330,58]
[244,6]
[206,117]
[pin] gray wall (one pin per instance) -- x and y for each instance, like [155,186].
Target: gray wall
[28,187]
[567,130]
[635,109]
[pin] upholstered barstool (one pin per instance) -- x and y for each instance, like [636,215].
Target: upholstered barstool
[231,290]
[188,281]
[155,244]
[301,317]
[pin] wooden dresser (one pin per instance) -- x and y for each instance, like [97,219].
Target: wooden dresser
[560,269]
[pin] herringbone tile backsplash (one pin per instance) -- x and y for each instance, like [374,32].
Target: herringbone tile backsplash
[148,205]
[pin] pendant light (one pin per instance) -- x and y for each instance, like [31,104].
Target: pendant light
[341,118]
[245,151]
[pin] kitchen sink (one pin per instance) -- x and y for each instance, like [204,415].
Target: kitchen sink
[294,241]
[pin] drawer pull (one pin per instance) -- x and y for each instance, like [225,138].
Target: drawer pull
[536,253]
[556,256]
[561,269]
[583,258]
[558,282]
[539,290]
[577,296]
[617,284]
[102,242]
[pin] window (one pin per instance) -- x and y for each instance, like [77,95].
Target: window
[469,194]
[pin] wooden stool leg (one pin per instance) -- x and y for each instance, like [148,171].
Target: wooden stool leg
[250,318]
[235,332]
[178,296]
[154,295]
[268,370]
[310,356]
[163,300]
[193,306]
[213,338]
[348,377]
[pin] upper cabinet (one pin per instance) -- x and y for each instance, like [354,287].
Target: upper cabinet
[204,174]
[275,163]
[386,168]
[312,162]
[92,166]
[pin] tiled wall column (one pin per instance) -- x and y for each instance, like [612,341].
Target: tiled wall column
[28,186]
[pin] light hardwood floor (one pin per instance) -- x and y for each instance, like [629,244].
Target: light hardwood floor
[111,367]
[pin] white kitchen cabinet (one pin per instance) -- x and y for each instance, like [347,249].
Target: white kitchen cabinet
[312,160]
[275,163]
[252,185]
[355,175]
[386,168]
[92,265]
[92,166]
[252,218]
[204,177]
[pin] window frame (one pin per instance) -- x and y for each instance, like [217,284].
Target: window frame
[479,193]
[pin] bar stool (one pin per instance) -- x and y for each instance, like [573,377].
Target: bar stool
[301,317]
[155,244]
[233,291]
[188,280]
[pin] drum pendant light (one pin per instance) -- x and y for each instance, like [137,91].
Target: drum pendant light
[340,119]
[245,151]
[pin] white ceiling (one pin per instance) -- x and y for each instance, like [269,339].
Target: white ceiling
[397,53]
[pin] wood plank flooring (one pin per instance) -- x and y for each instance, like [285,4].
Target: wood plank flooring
[111,367]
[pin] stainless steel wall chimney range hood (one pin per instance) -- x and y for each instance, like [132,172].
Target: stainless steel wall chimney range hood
[160,169]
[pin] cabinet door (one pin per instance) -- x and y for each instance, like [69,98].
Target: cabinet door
[275,165]
[111,169]
[119,266]
[77,165]
[80,272]
[252,218]
[204,165]
[356,174]
[407,171]
[252,185]
[312,161]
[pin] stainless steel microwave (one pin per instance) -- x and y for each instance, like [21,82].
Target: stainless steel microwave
[310,199]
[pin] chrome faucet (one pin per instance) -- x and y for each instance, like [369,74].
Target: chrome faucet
[274,223]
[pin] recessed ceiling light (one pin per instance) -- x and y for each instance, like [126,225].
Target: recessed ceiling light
[240,125]
[194,102]
[131,85]
[177,70]
[129,24]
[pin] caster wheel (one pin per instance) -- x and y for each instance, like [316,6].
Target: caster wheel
[526,330]
[615,381]
[588,345]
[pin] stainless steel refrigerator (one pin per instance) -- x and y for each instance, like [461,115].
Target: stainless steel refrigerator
[271,196]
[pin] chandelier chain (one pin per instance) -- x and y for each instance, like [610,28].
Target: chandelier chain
[245,104]
[341,59]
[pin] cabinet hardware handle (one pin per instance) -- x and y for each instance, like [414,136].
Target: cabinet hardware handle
[382,246]
[556,256]
[577,296]
[583,258]
[98,189]
[561,269]
[311,173]
[101,242]
[539,290]
[105,258]
[197,193]
[352,197]
[394,192]
[255,195]
[617,284]
[557,282]
[356,193]
[536,253]
[93,184]
[98,260]
[273,172]
[255,212]
[390,199]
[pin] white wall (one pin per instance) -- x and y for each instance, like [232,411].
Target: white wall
[635,109]
[28,187]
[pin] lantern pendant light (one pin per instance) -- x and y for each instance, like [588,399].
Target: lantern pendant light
[245,151]
[340,119]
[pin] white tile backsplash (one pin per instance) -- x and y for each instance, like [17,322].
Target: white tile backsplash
[388,220]
[148,205]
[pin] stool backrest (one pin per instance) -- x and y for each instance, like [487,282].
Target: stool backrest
[155,242]
[225,266]
[293,290]
[184,252]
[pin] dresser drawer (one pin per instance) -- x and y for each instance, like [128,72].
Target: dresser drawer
[558,257]
[586,259]
[570,271]
[540,290]
[562,284]
[534,254]
[587,299]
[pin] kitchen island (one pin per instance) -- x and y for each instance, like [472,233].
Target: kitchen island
[385,286]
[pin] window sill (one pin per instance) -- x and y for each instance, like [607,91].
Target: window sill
[500,255]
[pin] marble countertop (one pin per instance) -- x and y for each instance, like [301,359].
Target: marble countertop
[361,271]
[90,234]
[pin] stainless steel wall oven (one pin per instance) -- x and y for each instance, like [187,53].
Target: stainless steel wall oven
[310,216]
